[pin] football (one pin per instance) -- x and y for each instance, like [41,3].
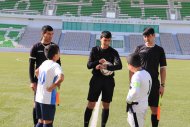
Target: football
[105,71]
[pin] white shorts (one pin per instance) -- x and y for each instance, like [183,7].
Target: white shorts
[140,118]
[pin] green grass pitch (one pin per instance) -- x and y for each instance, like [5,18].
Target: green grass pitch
[16,97]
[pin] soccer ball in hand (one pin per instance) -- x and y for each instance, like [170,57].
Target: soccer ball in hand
[105,71]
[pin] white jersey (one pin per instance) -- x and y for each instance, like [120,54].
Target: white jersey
[48,74]
[139,91]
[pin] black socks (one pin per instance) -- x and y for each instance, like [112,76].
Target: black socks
[105,115]
[87,116]
[154,120]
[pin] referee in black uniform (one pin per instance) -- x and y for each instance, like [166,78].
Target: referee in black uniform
[153,58]
[99,82]
[38,55]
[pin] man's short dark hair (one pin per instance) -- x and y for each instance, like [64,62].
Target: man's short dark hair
[105,34]
[46,28]
[148,31]
[134,60]
[52,51]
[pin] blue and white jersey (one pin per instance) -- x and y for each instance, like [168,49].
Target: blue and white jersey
[48,74]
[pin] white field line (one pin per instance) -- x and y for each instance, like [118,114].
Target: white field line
[94,119]
[20,60]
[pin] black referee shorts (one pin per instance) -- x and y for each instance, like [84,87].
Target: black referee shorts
[45,111]
[101,84]
[154,94]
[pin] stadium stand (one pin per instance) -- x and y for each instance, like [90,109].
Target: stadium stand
[25,36]
[68,0]
[2,34]
[92,41]
[76,41]
[33,35]
[156,2]
[168,43]
[22,6]
[30,37]
[179,51]
[154,9]
[126,44]
[155,13]
[125,8]
[15,26]
[13,34]
[2,37]
[10,34]
[185,10]
[66,10]
[7,4]
[61,41]
[96,7]
[184,42]
[157,41]
[37,5]
[7,43]
[135,40]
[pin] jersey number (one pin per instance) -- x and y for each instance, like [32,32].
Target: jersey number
[42,78]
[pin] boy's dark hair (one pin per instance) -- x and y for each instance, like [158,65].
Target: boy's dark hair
[52,51]
[134,60]
[148,31]
[105,34]
[46,28]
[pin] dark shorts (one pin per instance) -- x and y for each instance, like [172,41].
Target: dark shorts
[45,111]
[101,84]
[154,94]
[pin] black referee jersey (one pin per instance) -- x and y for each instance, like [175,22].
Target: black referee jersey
[151,59]
[109,54]
[38,55]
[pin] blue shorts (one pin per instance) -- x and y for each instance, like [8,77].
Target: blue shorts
[45,111]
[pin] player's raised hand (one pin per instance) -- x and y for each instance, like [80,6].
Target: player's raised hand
[33,86]
[101,61]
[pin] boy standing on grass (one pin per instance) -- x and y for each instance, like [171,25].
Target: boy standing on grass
[38,55]
[50,76]
[137,98]
[153,60]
